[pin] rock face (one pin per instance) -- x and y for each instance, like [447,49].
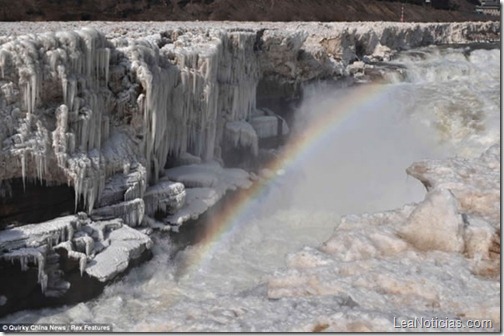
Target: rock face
[104,109]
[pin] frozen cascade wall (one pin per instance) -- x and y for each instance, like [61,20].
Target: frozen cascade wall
[95,104]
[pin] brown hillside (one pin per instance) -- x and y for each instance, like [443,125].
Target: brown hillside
[236,10]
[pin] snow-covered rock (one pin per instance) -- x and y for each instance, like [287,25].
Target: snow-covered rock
[165,196]
[131,212]
[205,185]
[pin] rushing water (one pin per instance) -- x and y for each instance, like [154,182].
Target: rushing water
[445,103]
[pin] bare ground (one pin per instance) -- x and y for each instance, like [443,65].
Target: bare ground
[234,10]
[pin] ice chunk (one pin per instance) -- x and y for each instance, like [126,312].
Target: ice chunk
[126,244]
[165,196]
[269,126]
[435,224]
[198,200]
[473,182]
[242,134]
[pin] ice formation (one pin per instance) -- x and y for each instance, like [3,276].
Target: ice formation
[411,259]
[240,134]
[89,104]
[81,238]
[126,244]
[205,185]
[267,124]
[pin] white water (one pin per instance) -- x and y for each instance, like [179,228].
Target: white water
[449,105]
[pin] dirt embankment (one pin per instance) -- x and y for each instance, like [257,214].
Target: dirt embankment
[235,10]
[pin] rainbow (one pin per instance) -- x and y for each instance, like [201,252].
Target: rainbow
[228,221]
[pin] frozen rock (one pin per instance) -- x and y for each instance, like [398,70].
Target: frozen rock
[205,185]
[126,244]
[124,186]
[435,224]
[267,124]
[131,212]
[81,240]
[198,200]
[84,107]
[167,197]
[240,134]
[48,233]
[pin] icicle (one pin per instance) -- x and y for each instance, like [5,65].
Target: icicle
[107,61]
[23,169]
[4,56]
[42,276]
[82,260]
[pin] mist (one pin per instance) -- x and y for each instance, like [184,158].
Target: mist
[359,166]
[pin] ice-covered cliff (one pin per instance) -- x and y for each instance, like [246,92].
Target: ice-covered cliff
[82,106]
[110,111]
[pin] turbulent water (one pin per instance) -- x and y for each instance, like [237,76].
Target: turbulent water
[445,102]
